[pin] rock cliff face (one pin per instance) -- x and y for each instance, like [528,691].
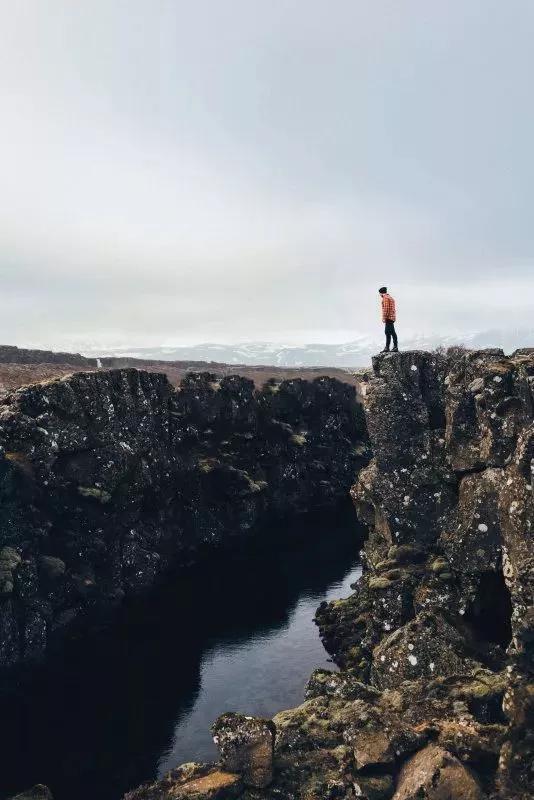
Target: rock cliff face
[442,623]
[9,354]
[435,697]
[107,479]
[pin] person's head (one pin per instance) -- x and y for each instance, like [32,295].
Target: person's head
[383,290]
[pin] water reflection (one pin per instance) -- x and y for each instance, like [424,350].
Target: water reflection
[138,698]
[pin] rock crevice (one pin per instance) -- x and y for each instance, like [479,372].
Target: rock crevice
[435,694]
[108,479]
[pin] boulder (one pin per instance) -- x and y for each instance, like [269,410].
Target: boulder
[373,787]
[191,782]
[342,685]
[435,774]
[38,792]
[378,745]
[246,746]
[427,646]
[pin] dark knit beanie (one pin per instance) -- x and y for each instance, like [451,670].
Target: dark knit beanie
[383,289]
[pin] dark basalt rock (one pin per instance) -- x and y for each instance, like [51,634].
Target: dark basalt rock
[451,476]
[107,479]
[38,792]
[9,354]
[246,746]
[433,774]
[435,695]
[192,782]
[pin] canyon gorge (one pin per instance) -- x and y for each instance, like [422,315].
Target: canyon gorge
[113,480]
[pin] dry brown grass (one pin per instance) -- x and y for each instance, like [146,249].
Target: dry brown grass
[12,376]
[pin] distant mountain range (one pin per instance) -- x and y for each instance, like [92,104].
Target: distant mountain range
[357,353]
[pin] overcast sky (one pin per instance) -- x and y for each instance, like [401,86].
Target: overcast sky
[217,170]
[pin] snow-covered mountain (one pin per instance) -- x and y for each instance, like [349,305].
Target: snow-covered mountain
[356,353]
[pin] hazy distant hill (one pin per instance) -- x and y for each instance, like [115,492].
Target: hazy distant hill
[350,354]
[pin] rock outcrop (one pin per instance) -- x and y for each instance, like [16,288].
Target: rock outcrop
[246,746]
[10,354]
[435,694]
[443,618]
[432,774]
[108,479]
[191,782]
[38,792]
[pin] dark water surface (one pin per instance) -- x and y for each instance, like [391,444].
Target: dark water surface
[138,698]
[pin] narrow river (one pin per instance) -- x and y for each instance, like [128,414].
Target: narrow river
[139,697]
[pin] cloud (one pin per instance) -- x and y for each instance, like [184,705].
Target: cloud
[247,170]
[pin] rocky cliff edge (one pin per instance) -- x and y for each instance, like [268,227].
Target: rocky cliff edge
[434,699]
[108,479]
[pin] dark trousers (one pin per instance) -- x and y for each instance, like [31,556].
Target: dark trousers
[390,333]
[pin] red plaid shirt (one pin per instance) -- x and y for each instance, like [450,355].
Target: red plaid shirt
[388,308]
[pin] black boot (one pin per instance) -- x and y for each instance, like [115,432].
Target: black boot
[395,349]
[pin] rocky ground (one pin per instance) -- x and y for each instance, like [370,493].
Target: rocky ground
[435,694]
[109,478]
[434,699]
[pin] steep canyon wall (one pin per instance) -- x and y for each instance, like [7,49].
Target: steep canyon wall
[107,479]
[434,697]
[435,694]
[443,619]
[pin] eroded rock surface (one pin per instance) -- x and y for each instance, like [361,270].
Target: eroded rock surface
[191,782]
[433,774]
[435,695]
[9,354]
[246,746]
[444,612]
[38,792]
[107,479]
[434,698]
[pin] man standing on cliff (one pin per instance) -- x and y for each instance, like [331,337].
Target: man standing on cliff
[388,317]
